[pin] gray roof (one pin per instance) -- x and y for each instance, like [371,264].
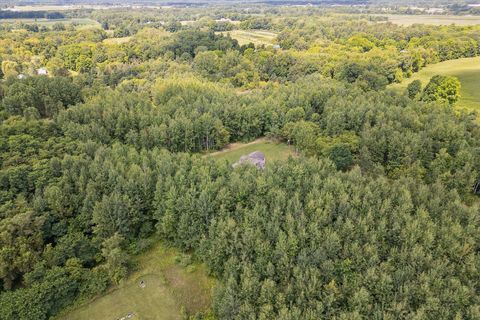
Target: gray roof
[256,155]
[255,158]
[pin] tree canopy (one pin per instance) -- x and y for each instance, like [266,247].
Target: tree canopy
[374,218]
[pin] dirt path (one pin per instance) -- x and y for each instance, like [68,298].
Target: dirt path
[235,146]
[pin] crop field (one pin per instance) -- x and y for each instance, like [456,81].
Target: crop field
[81,22]
[159,289]
[408,20]
[273,150]
[257,37]
[467,70]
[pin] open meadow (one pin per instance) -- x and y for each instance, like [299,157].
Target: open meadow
[273,150]
[159,289]
[467,70]
[116,41]
[257,37]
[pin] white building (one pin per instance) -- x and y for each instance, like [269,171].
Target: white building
[42,72]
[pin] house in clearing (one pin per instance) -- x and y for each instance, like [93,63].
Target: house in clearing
[255,158]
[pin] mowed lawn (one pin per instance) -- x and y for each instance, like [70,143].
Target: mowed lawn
[438,20]
[257,37]
[168,288]
[467,70]
[273,150]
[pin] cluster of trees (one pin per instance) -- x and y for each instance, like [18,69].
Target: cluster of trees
[183,116]
[374,219]
[380,132]
[372,54]
[81,192]
[298,240]
[36,97]
[302,241]
[440,88]
[10,14]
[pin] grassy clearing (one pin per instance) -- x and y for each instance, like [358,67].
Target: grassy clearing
[438,20]
[273,150]
[467,70]
[257,37]
[81,22]
[168,288]
[117,40]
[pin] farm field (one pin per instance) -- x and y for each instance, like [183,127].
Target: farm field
[273,150]
[257,37]
[467,70]
[167,289]
[408,20]
[81,22]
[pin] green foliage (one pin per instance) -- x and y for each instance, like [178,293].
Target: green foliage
[361,42]
[341,155]
[188,41]
[414,89]
[374,219]
[363,76]
[47,95]
[442,89]
[115,257]
[129,118]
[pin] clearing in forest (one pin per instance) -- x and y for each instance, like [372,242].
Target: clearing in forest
[257,37]
[273,150]
[467,70]
[117,41]
[159,289]
[438,20]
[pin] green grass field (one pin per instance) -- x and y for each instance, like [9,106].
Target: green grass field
[408,20]
[117,40]
[81,22]
[257,37]
[467,70]
[273,150]
[168,288]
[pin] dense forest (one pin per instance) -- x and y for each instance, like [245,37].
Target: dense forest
[375,218]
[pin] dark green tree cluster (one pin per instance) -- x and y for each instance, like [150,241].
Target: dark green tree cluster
[187,43]
[302,241]
[37,97]
[184,116]
[11,14]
